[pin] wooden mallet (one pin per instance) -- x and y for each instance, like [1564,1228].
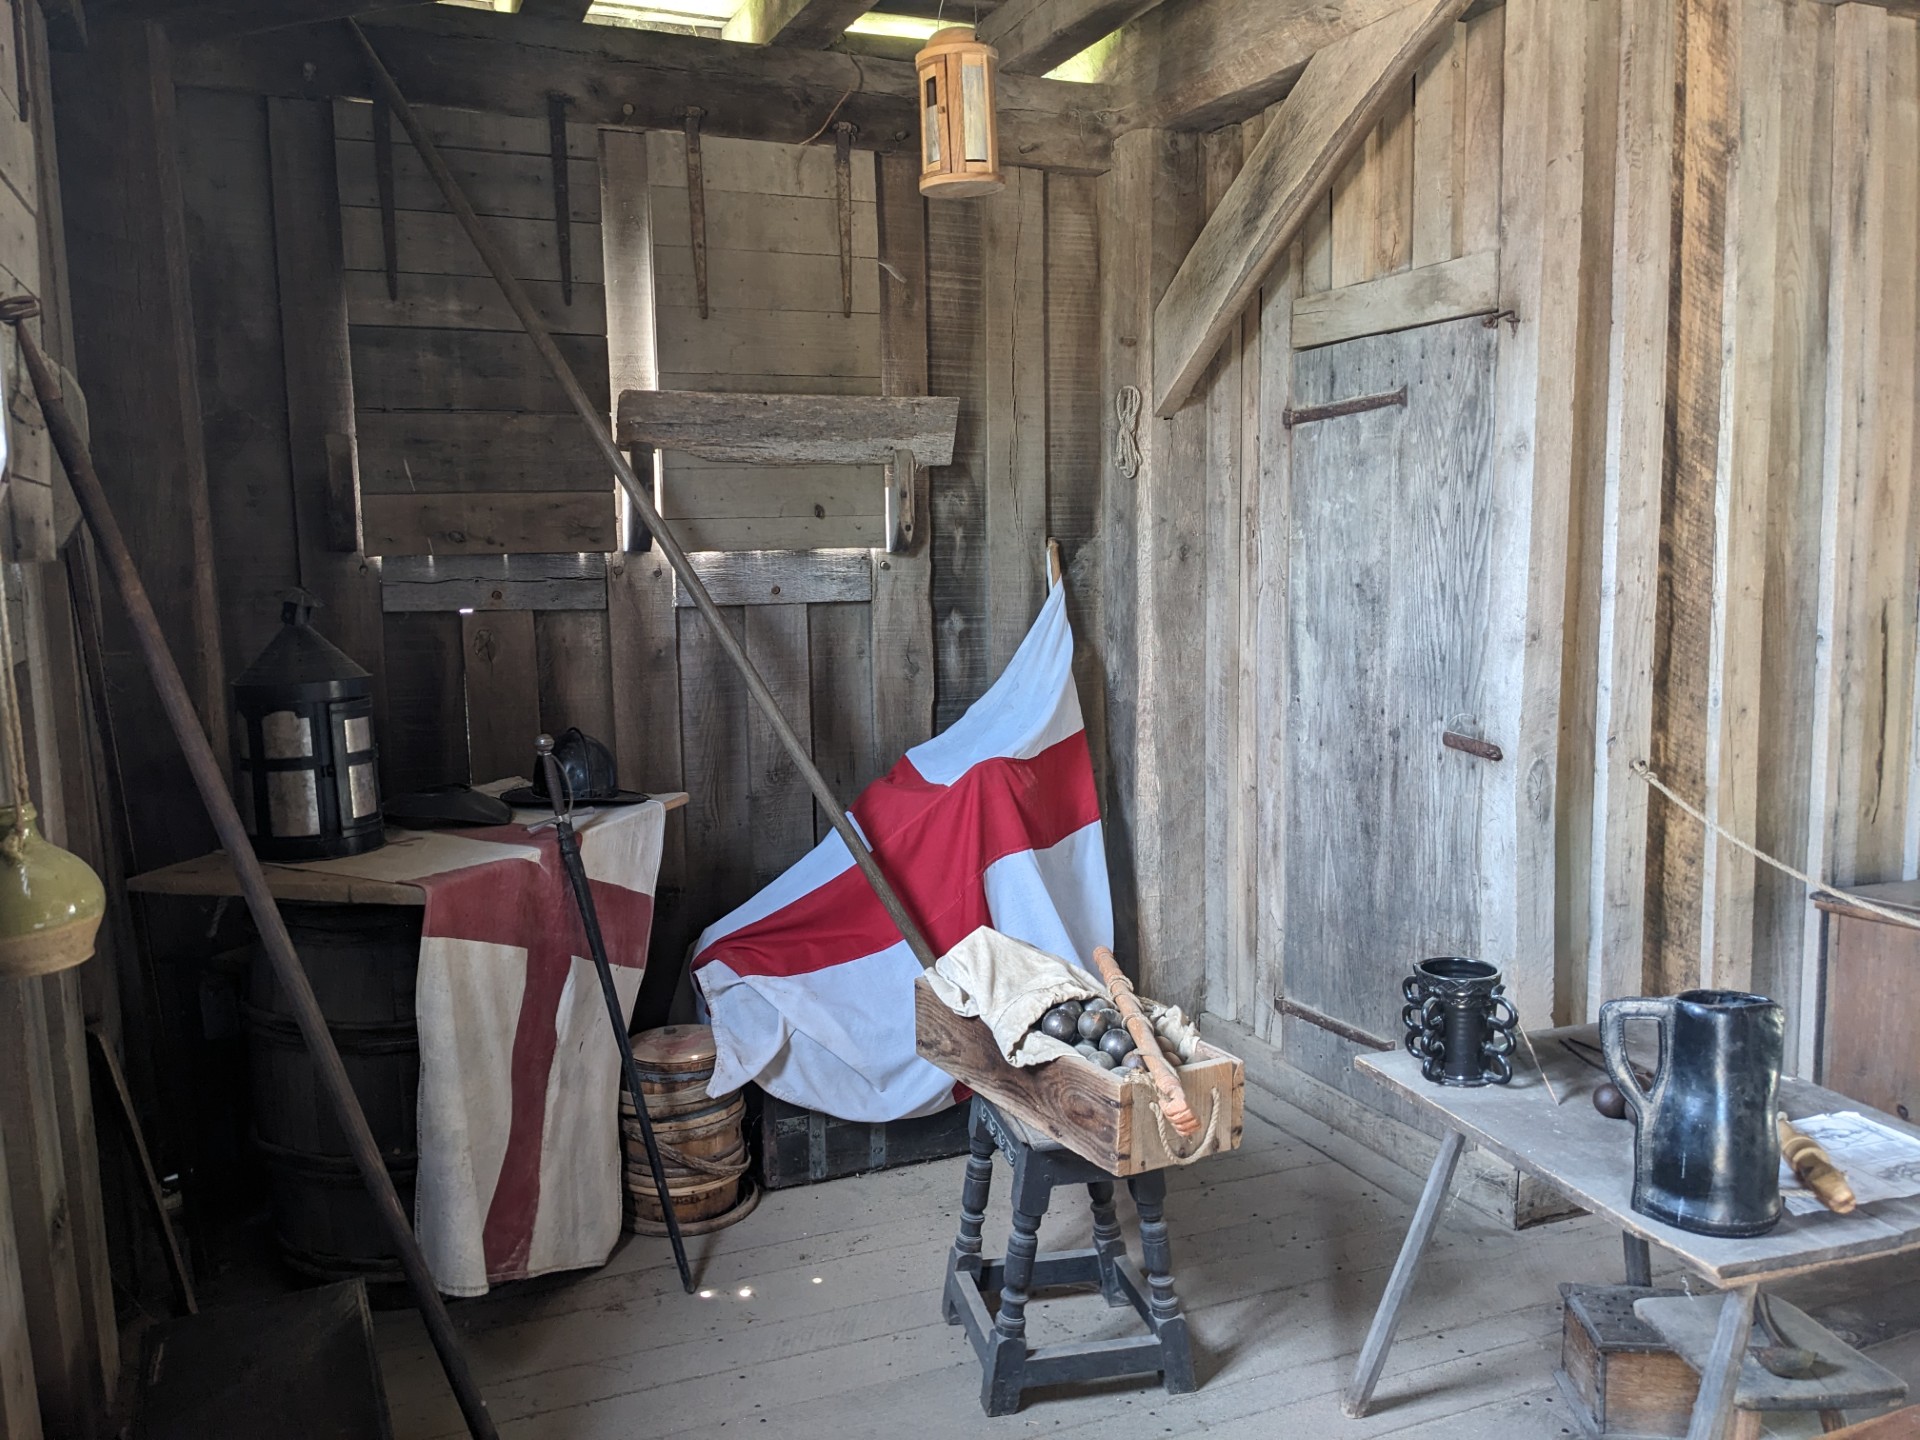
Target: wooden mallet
[1173,1097]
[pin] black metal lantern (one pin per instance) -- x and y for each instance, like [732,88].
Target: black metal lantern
[304,764]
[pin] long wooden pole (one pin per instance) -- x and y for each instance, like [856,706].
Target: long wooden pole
[210,781]
[596,422]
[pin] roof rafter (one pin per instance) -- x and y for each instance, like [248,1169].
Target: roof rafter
[1340,95]
[1033,36]
[808,24]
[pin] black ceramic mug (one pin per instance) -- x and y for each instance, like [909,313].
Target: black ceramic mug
[1706,1155]
[1459,1021]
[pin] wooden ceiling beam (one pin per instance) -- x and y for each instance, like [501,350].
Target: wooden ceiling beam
[807,24]
[188,21]
[475,60]
[1033,36]
[1201,64]
[1340,95]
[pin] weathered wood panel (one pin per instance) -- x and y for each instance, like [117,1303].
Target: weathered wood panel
[956,365]
[504,693]
[440,370]
[1388,581]
[789,429]
[494,582]
[490,523]
[779,805]
[576,680]
[1014,237]
[844,686]
[777,577]
[901,616]
[425,739]
[424,451]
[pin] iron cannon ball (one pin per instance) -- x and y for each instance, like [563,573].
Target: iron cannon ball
[1608,1100]
[1104,1060]
[1093,1023]
[1059,1024]
[1117,1043]
[1134,1061]
[1087,1048]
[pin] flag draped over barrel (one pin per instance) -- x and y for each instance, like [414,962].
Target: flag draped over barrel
[995,821]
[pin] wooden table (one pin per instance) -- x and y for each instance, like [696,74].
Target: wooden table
[327,882]
[1589,1158]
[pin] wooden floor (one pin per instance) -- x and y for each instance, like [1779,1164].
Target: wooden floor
[819,1317]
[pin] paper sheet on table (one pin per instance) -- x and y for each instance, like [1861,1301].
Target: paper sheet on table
[1880,1163]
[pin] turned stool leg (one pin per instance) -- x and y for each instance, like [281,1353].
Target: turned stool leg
[965,1257]
[1006,1368]
[1109,1245]
[1156,1258]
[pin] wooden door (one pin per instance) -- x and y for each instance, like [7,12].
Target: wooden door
[1388,604]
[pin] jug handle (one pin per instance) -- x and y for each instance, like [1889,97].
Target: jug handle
[1613,1044]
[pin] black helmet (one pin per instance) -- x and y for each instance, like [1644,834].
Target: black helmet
[586,766]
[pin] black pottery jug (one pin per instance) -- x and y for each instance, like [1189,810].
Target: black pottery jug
[1706,1157]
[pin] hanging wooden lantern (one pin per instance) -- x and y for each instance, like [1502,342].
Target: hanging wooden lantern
[959,136]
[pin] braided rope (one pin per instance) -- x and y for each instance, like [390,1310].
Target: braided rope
[9,694]
[1202,1146]
[1126,450]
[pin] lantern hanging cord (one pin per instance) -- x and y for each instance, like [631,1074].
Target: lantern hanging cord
[859,84]
[10,699]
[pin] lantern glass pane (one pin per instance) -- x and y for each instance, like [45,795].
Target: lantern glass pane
[359,734]
[930,132]
[293,803]
[973,107]
[286,735]
[362,791]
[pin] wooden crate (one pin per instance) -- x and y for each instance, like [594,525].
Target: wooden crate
[797,1146]
[1621,1380]
[1104,1115]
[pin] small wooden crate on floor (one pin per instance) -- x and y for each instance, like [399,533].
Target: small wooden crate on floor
[1621,1380]
[1105,1116]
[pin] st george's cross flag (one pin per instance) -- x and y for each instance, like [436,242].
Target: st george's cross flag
[996,821]
[519,1169]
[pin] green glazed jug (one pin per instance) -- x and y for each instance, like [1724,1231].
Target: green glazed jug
[50,900]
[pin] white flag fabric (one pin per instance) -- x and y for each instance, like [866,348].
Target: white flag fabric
[996,821]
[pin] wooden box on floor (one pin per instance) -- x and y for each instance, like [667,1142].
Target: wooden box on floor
[1100,1115]
[1621,1380]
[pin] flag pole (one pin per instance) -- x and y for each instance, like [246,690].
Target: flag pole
[596,423]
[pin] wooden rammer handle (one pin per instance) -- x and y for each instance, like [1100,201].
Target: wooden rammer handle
[1173,1096]
[1815,1167]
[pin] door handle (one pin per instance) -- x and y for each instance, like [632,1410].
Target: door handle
[1471,745]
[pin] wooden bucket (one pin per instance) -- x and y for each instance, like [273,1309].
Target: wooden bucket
[703,1149]
[675,1064]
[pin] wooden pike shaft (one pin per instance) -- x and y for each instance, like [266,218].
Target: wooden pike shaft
[210,780]
[596,422]
[1173,1095]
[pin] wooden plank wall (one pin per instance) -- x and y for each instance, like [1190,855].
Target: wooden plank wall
[466,444]
[1766,531]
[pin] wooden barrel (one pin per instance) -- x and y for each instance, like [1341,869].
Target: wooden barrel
[361,960]
[702,1140]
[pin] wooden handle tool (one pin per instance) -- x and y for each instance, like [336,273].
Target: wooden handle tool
[1173,1097]
[1815,1167]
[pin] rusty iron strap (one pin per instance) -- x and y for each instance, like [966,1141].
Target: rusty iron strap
[1288,1006]
[843,190]
[1471,745]
[562,193]
[696,204]
[383,186]
[1307,414]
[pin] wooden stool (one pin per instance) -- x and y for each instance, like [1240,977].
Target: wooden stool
[1848,1379]
[1009,1364]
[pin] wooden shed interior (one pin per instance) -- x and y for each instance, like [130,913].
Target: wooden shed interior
[1480,444]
